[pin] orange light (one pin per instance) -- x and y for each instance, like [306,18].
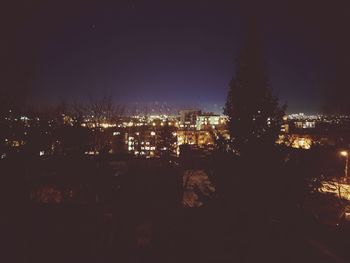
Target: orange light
[344,153]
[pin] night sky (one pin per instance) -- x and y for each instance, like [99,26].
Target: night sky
[178,52]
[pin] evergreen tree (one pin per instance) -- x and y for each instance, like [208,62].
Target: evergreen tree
[254,113]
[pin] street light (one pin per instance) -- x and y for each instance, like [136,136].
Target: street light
[346,155]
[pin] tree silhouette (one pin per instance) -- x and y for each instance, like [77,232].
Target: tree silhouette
[254,113]
[167,140]
[98,111]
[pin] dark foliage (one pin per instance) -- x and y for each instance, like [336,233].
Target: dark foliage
[255,115]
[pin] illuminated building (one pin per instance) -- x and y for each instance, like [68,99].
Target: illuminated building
[188,118]
[305,124]
[143,143]
[210,121]
[285,128]
[199,138]
[296,141]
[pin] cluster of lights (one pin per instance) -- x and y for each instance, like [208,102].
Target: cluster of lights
[316,117]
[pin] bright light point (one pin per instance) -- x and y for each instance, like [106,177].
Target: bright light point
[344,153]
